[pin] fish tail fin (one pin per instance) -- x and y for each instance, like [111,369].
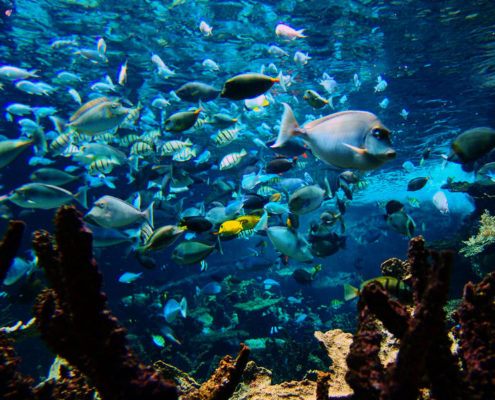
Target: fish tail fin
[350,292]
[243,152]
[82,196]
[288,127]
[299,33]
[188,141]
[148,214]
[183,307]
[59,124]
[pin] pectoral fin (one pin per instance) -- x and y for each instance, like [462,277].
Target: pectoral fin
[358,150]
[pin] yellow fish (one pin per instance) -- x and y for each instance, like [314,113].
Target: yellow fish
[248,221]
[230,228]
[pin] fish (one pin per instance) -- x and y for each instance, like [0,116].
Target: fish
[305,277]
[290,243]
[306,199]
[286,32]
[96,116]
[314,99]
[209,289]
[247,86]
[205,28]
[181,121]
[348,139]
[279,165]
[417,183]
[222,121]
[52,176]
[402,223]
[173,308]
[210,64]
[300,58]
[196,91]
[440,202]
[196,224]
[103,237]
[11,149]
[277,51]
[229,228]
[129,277]
[42,196]
[160,238]
[112,212]
[191,252]
[18,269]
[394,286]
[11,73]
[471,145]
[231,160]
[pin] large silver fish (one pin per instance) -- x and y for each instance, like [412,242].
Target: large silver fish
[290,243]
[348,139]
[111,212]
[306,199]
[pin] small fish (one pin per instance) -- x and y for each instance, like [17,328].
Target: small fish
[129,277]
[229,228]
[440,202]
[277,51]
[288,33]
[210,64]
[158,340]
[231,160]
[184,154]
[384,103]
[404,113]
[122,78]
[173,308]
[181,121]
[381,84]
[205,28]
[209,289]
[300,58]
[11,73]
[314,99]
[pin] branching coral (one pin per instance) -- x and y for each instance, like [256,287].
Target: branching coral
[73,319]
[485,236]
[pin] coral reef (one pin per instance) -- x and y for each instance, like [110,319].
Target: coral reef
[476,333]
[73,319]
[485,236]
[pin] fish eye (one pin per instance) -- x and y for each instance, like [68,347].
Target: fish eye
[379,133]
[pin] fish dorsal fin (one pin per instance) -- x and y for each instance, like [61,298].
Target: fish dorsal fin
[85,107]
[310,125]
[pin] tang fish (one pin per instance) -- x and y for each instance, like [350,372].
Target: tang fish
[348,139]
[46,197]
[111,212]
[290,243]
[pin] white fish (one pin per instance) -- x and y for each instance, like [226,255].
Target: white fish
[384,103]
[129,277]
[277,51]
[210,64]
[31,88]
[123,74]
[75,95]
[381,84]
[205,28]
[357,81]
[162,69]
[11,73]
[290,243]
[440,202]
[404,113]
[68,78]
[300,58]
[160,103]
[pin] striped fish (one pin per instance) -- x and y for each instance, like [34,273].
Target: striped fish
[225,137]
[266,191]
[102,166]
[60,143]
[173,146]
[231,160]
[184,154]
[128,140]
[141,149]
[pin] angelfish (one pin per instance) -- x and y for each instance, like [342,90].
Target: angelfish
[348,139]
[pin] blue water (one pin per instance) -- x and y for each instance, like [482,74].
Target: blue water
[438,59]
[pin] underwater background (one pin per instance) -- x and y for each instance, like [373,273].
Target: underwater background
[426,69]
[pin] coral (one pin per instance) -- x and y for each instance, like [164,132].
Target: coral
[73,319]
[476,333]
[223,382]
[336,344]
[485,236]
